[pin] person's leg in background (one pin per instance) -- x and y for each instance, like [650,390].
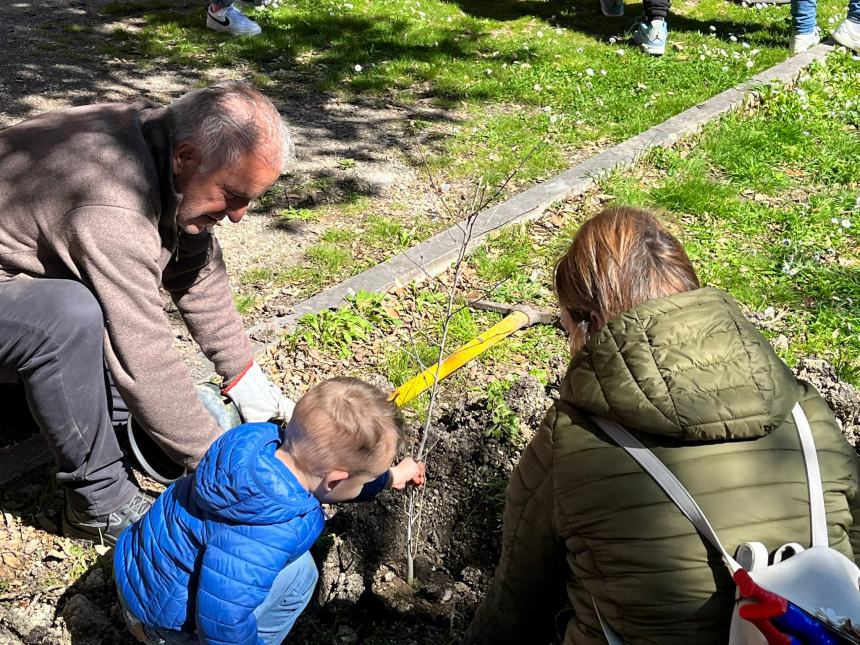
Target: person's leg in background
[290,594]
[224,17]
[612,8]
[51,341]
[804,32]
[651,33]
[848,33]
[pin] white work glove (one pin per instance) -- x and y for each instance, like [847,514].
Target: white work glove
[257,398]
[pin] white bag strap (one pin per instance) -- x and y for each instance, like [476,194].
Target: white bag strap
[817,516]
[688,506]
[668,482]
[612,638]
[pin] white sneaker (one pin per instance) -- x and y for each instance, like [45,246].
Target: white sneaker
[801,42]
[231,21]
[848,35]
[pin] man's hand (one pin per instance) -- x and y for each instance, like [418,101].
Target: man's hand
[257,398]
[407,471]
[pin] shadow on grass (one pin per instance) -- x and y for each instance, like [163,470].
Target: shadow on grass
[93,51]
[585,17]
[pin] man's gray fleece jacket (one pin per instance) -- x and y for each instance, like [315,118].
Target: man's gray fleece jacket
[87,194]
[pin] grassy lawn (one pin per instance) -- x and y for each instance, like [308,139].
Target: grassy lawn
[517,70]
[539,85]
[767,205]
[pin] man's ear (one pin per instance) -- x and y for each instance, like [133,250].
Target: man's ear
[186,158]
[333,478]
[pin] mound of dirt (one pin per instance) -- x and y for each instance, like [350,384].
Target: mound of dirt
[843,398]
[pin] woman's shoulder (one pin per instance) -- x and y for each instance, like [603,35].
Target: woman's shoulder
[570,429]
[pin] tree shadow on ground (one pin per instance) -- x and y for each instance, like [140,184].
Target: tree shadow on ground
[92,51]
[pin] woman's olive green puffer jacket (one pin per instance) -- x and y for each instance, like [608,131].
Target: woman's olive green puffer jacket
[698,384]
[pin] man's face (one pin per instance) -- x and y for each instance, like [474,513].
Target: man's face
[226,192]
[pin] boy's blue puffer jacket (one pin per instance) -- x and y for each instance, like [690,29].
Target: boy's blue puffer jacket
[206,554]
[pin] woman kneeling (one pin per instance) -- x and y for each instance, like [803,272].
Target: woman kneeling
[681,368]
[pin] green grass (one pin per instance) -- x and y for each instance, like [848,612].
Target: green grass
[335,257]
[328,258]
[519,71]
[292,214]
[339,236]
[768,208]
[505,423]
[245,303]
[257,276]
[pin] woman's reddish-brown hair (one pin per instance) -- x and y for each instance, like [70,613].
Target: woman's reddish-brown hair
[620,258]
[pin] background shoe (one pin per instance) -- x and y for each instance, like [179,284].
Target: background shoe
[231,21]
[848,35]
[612,8]
[651,36]
[801,42]
[106,529]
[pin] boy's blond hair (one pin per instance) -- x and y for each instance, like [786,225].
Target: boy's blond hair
[346,424]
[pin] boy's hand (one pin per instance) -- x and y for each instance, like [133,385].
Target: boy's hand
[407,471]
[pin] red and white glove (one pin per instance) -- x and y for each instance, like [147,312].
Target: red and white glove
[257,398]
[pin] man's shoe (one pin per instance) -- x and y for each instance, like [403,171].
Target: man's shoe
[651,36]
[106,529]
[612,8]
[801,42]
[848,35]
[231,21]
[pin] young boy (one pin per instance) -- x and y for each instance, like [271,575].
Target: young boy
[222,556]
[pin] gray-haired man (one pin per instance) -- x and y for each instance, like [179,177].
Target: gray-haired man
[102,205]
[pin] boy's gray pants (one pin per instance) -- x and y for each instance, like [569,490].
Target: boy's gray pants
[52,342]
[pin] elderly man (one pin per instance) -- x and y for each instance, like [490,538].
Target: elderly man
[99,207]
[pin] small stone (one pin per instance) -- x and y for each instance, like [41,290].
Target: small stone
[54,554]
[95,580]
[780,343]
[84,619]
[46,524]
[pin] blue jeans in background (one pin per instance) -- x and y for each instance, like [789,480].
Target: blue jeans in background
[287,599]
[803,14]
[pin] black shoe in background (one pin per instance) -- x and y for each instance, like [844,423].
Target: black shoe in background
[106,529]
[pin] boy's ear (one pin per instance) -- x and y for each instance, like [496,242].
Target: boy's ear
[333,478]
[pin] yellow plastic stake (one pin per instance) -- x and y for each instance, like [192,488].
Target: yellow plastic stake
[462,355]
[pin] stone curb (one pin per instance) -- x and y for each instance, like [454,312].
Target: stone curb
[437,253]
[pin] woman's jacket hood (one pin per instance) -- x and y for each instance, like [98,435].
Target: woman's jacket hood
[688,366]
